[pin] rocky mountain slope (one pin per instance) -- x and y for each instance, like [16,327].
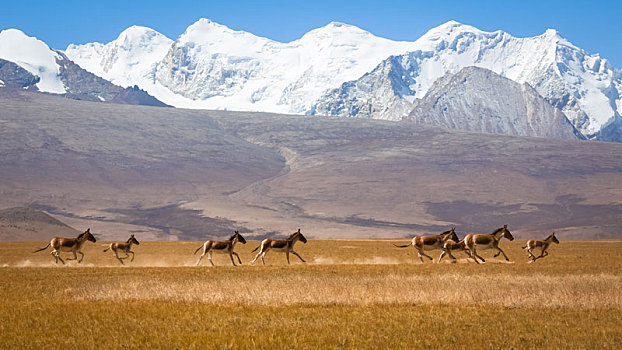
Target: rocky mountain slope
[479,100]
[14,76]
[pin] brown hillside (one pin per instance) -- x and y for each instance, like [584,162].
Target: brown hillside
[28,224]
[170,174]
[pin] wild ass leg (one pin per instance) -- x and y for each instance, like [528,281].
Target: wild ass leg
[502,252]
[132,255]
[209,257]
[200,257]
[263,261]
[475,256]
[116,255]
[236,254]
[419,253]
[440,257]
[59,258]
[451,255]
[448,251]
[55,256]
[543,253]
[299,257]
[422,252]
[81,256]
[231,256]
[75,257]
[533,257]
[287,255]
[257,256]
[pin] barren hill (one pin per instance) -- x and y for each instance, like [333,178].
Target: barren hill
[189,174]
[28,224]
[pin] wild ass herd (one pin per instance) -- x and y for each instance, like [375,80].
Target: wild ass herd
[447,241]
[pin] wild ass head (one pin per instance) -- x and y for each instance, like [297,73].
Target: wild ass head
[86,235]
[299,236]
[239,237]
[133,240]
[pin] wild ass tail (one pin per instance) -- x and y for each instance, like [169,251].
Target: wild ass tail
[199,248]
[254,250]
[44,248]
[105,250]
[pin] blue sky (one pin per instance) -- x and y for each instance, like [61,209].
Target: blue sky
[595,26]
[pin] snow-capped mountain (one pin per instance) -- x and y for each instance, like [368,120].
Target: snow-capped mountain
[26,62]
[343,70]
[477,99]
[34,56]
[125,60]
[212,66]
[585,87]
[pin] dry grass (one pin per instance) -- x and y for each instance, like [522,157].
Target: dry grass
[352,294]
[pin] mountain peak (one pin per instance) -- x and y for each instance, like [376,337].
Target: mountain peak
[336,29]
[453,25]
[552,32]
[13,33]
[554,35]
[18,38]
[33,55]
[136,31]
[340,25]
[478,99]
[140,36]
[447,30]
[204,24]
[207,31]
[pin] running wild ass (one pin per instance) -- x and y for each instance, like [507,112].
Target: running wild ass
[489,241]
[543,244]
[430,242]
[280,245]
[450,245]
[74,245]
[123,247]
[221,246]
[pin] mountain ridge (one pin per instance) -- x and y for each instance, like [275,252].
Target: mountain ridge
[343,70]
[29,63]
[585,87]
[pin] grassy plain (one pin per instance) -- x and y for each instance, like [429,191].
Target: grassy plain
[351,294]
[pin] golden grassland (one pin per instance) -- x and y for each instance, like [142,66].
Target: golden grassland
[350,294]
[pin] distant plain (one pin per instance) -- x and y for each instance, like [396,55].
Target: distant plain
[175,174]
